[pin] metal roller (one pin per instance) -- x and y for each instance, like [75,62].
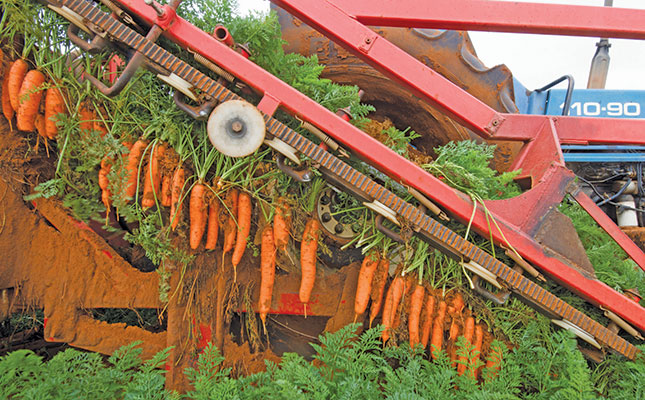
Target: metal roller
[236,128]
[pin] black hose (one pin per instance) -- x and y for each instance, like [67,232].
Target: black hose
[622,189]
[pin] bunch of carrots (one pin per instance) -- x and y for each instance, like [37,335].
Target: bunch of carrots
[428,317]
[27,94]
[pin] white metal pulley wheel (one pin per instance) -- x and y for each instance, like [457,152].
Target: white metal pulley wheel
[236,128]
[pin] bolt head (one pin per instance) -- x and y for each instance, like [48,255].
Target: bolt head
[237,126]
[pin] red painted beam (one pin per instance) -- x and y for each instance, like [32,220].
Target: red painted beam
[611,228]
[500,16]
[573,130]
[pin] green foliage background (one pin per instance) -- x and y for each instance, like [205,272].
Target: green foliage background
[345,366]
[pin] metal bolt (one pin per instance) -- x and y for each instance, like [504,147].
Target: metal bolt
[339,229]
[152,4]
[368,40]
[495,122]
[237,126]
[326,217]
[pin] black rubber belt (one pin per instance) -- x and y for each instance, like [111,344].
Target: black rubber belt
[518,283]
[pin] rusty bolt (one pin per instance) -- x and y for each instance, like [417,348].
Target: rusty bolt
[495,122]
[368,40]
[237,126]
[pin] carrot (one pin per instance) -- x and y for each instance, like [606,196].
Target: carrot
[166,198]
[416,304]
[29,99]
[469,330]
[40,125]
[7,108]
[54,105]
[427,321]
[267,273]
[392,300]
[177,185]
[132,167]
[244,209]
[308,250]
[494,361]
[198,210]
[436,342]
[230,229]
[458,303]
[364,287]
[409,283]
[479,340]
[378,288]
[17,74]
[106,165]
[100,126]
[281,224]
[213,224]
[86,117]
[454,332]
[152,180]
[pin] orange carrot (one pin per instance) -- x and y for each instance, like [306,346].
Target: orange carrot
[40,125]
[267,273]
[244,210]
[455,312]
[469,330]
[177,185]
[378,288]
[152,180]
[308,251]
[281,224]
[99,126]
[494,361]
[132,167]
[54,105]
[416,304]
[86,117]
[198,210]
[364,287]
[479,340]
[213,224]
[392,300]
[29,98]
[166,198]
[7,108]
[106,165]
[427,321]
[436,342]
[16,74]
[409,283]
[454,333]
[230,228]
[458,303]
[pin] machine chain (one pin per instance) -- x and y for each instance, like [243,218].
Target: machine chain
[342,173]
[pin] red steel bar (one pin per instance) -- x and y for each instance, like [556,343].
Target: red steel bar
[500,16]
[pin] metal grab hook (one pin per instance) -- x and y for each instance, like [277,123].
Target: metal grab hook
[378,221]
[199,113]
[300,176]
[96,44]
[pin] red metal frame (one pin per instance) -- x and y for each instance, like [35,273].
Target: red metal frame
[541,157]
[500,16]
